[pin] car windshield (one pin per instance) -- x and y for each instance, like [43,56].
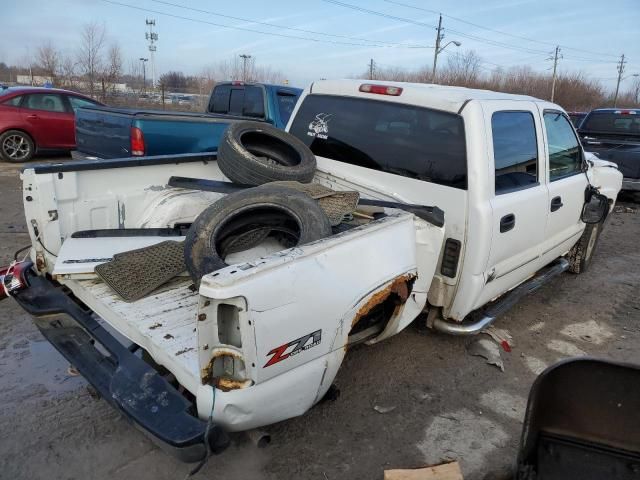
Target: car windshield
[401,139]
[626,122]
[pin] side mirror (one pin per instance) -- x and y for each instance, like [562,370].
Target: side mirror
[596,207]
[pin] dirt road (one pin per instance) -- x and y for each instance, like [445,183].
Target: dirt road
[447,403]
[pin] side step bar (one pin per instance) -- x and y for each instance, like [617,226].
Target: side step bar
[507,301]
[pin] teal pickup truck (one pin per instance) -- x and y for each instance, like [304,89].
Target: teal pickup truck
[105,132]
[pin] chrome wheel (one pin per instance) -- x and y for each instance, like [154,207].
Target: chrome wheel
[16,148]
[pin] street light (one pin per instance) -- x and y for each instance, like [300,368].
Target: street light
[438,51]
[244,58]
[144,73]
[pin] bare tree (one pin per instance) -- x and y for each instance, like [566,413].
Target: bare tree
[112,68]
[48,60]
[462,69]
[68,71]
[90,54]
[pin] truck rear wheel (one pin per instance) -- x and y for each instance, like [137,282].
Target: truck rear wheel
[242,220]
[581,254]
[254,153]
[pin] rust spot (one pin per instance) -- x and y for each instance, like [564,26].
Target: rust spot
[399,286]
[207,372]
[184,350]
[168,336]
[155,325]
[225,384]
[40,263]
[202,317]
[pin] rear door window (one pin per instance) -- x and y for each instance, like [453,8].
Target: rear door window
[44,101]
[565,156]
[401,139]
[253,104]
[515,151]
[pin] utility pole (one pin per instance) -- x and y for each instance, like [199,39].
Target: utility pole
[439,37]
[371,69]
[144,73]
[620,72]
[244,58]
[152,37]
[555,68]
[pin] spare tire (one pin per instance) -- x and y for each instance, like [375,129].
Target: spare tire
[240,220]
[253,153]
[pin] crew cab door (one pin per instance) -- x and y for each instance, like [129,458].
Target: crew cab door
[566,183]
[518,195]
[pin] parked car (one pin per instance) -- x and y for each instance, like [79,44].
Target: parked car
[576,118]
[469,200]
[120,132]
[613,134]
[34,119]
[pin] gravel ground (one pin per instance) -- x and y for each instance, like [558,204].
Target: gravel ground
[445,403]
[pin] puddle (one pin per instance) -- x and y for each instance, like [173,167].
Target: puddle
[26,364]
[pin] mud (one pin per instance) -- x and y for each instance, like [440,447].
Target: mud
[448,404]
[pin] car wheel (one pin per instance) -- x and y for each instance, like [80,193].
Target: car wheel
[16,146]
[242,220]
[254,153]
[581,254]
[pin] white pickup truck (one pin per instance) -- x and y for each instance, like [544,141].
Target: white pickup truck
[261,340]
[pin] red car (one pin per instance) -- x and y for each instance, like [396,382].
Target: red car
[36,119]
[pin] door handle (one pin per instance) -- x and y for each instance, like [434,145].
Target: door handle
[507,223]
[32,116]
[556,203]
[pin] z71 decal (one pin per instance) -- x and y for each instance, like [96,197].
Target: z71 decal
[294,347]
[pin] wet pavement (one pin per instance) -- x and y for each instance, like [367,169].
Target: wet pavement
[438,401]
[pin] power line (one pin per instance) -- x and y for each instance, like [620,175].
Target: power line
[542,42]
[245,29]
[295,29]
[457,32]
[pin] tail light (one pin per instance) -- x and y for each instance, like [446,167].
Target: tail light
[137,142]
[13,278]
[450,258]
[381,89]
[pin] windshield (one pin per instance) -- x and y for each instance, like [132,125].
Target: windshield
[401,139]
[613,122]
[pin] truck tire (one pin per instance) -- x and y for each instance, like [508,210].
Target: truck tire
[581,254]
[248,217]
[253,153]
[16,146]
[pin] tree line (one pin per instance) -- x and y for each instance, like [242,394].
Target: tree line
[574,91]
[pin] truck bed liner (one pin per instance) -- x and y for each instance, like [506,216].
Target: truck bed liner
[164,323]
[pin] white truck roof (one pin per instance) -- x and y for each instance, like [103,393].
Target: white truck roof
[441,97]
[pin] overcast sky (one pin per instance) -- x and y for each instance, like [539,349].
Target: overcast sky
[592,33]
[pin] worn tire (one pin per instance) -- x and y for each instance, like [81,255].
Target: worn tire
[283,210]
[9,142]
[254,153]
[581,255]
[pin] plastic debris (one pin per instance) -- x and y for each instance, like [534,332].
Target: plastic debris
[381,409]
[488,350]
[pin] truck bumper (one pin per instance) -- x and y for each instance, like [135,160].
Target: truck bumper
[123,379]
[632,184]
